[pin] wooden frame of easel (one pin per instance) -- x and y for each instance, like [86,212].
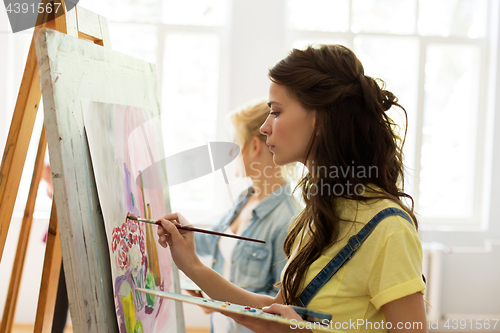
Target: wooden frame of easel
[86,25]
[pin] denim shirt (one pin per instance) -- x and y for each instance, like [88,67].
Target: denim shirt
[255,266]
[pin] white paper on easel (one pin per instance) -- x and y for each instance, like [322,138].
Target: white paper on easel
[120,149]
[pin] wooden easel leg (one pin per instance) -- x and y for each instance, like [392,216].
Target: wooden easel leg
[20,132]
[17,270]
[18,141]
[50,276]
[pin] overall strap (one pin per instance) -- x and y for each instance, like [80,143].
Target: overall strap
[345,254]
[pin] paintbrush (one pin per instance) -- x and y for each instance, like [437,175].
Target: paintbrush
[182,227]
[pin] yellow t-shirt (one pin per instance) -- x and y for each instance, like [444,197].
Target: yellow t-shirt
[387,266]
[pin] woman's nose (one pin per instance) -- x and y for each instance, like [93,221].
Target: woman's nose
[265,128]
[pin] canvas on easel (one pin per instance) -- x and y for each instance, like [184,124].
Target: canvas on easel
[77,77]
[123,141]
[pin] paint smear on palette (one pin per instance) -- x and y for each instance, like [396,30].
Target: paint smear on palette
[136,259]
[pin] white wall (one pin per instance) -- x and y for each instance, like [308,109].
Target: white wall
[471,284]
[251,57]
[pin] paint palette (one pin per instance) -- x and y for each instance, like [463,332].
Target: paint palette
[234,308]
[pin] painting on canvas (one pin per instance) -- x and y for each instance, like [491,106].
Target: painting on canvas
[124,140]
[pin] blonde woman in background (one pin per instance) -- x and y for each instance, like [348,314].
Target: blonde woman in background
[262,212]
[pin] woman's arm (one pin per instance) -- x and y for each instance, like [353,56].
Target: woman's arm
[215,286]
[406,314]
[182,248]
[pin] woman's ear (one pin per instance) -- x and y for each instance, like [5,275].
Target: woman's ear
[256,146]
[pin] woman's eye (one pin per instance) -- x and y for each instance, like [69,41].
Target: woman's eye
[274,113]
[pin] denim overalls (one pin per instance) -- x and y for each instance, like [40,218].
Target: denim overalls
[345,254]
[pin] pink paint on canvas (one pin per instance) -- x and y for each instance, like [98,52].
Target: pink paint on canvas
[123,142]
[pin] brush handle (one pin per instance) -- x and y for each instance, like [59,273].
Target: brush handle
[218,233]
[182,227]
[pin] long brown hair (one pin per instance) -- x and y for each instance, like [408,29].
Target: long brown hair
[352,132]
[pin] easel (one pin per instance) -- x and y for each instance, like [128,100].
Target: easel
[93,28]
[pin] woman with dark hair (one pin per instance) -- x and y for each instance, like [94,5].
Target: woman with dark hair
[354,251]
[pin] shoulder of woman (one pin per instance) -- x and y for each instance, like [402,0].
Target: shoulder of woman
[395,223]
[395,228]
[396,218]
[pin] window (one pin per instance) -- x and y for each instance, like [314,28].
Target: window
[432,54]
[184,39]
[211,55]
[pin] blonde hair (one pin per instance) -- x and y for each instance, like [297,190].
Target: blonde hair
[247,121]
